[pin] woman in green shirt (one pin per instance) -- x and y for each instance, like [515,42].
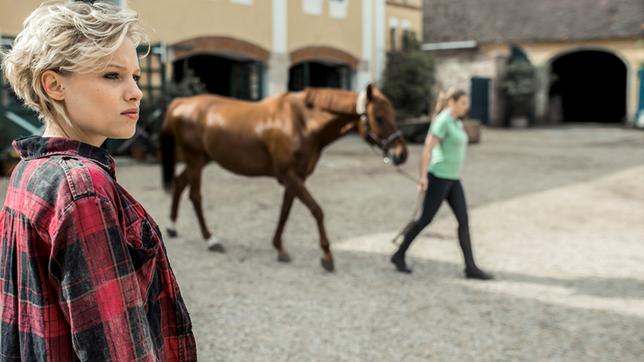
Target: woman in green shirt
[440,170]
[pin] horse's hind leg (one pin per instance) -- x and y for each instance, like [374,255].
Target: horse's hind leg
[180,183]
[297,184]
[287,202]
[214,244]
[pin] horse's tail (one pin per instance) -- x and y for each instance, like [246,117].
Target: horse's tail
[168,158]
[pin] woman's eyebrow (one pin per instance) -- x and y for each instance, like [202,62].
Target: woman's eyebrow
[138,70]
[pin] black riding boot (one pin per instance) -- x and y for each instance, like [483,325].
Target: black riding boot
[398,259]
[471,270]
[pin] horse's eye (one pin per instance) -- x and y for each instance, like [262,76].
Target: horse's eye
[380,120]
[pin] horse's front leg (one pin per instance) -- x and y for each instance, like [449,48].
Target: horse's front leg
[301,192]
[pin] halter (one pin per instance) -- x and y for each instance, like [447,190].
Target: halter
[370,137]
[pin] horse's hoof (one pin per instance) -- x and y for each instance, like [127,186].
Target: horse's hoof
[217,248]
[171,232]
[284,258]
[215,244]
[327,265]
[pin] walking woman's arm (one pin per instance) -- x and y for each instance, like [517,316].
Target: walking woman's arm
[430,142]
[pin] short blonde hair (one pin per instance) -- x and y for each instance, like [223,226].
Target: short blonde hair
[65,37]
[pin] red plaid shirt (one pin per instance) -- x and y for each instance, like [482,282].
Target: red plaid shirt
[83,270]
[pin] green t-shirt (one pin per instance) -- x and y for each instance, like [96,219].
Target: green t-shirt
[449,155]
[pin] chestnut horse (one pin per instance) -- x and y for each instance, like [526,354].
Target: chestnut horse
[282,137]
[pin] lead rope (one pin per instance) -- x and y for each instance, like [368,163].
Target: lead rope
[412,221]
[419,199]
[405,174]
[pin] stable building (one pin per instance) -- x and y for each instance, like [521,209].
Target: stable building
[589,54]
[250,49]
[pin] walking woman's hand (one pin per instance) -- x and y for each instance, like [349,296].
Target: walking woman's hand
[422,183]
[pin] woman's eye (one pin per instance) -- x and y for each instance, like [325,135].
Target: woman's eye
[137,78]
[111,76]
[379,120]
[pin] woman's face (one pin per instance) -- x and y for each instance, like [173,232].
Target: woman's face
[459,107]
[105,104]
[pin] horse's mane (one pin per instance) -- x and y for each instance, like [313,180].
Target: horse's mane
[331,100]
[296,107]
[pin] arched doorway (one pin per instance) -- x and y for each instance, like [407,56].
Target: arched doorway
[588,86]
[321,66]
[237,78]
[319,74]
[226,66]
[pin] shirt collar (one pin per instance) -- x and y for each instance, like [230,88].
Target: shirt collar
[37,147]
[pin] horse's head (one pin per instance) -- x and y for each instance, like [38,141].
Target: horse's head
[378,124]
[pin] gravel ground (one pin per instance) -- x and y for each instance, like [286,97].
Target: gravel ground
[556,215]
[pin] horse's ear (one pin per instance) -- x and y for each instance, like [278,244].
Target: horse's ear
[364,97]
[369,92]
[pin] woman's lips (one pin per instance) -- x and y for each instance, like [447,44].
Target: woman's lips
[131,115]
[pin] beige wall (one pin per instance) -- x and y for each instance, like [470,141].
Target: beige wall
[455,71]
[631,51]
[408,3]
[322,30]
[13,13]
[173,21]
[413,14]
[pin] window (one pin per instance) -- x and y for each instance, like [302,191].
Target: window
[312,7]
[406,40]
[338,8]
[393,33]
[406,34]
[120,3]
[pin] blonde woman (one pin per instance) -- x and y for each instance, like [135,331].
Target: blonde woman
[440,171]
[83,272]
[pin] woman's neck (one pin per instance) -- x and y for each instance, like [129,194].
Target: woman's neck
[54,129]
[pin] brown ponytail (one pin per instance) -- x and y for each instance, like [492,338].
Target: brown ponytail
[444,97]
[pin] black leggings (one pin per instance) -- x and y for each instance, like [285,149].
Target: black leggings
[440,189]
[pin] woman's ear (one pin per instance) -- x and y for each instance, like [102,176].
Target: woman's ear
[52,83]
